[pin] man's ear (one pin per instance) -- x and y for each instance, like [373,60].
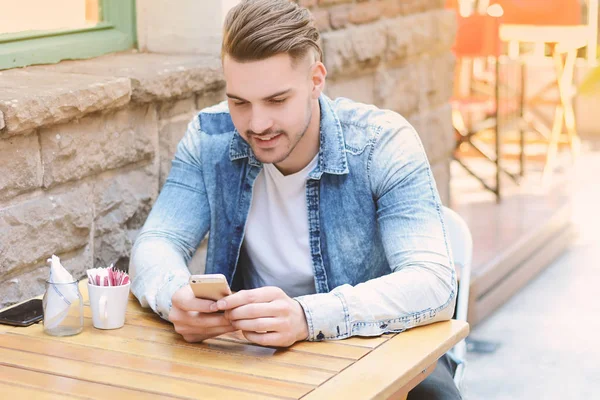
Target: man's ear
[318,75]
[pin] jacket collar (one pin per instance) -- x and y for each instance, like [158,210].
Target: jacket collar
[332,151]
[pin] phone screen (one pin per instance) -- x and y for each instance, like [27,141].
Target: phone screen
[24,314]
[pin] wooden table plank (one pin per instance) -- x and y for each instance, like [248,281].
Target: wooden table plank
[377,377]
[368,342]
[158,367]
[70,386]
[322,349]
[352,348]
[227,362]
[120,377]
[136,315]
[21,392]
[347,348]
[314,361]
[334,349]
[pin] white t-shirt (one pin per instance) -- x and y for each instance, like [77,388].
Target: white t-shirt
[276,238]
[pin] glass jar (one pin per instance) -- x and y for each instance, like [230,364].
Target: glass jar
[63,309]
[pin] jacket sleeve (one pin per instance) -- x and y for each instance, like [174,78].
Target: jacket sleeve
[179,220]
[421,289]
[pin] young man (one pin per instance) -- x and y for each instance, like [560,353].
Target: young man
[323,215]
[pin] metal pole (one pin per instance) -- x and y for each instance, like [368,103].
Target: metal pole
[521,124]
[498,126]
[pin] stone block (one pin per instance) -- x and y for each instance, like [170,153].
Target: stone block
[97,143]
[398,89]
[441,174]
[445,25]
[307,3]
[390,8]
[415,6]
[35,97]
[339,16]
[322,20]
[430,32]
[21,168]
[363,13]
[355,48]
[169,136]
[330,2]
[55,223]
[168,109]
[435,130]
[113,248]
[29,282]
[398,38]
[360,89]
[436,79]
[155,77]
[417,86]
[122,199]
[410,35]
[420,6]
[437,3]
[207,99]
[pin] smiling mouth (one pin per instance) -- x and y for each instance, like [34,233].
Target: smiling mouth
[268,140]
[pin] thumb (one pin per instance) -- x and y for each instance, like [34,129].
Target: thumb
[185,300]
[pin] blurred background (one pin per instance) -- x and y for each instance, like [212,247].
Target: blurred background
[96,94]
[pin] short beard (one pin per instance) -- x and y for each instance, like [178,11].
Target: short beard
[297,137]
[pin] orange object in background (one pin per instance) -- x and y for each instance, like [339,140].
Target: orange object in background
[477,36]
[540,12]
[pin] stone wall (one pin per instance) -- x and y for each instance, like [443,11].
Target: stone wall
[86,145]
[84,148]
[394,54]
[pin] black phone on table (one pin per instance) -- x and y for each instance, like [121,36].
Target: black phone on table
[24,314]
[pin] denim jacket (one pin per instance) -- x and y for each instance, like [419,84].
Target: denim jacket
[378,244]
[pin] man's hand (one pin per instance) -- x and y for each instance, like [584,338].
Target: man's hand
[193,318]
[266,316]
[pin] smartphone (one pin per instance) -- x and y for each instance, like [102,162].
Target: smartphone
[24,314]
[210,286]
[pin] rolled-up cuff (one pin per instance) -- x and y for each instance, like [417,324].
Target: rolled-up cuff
[164,295]
[326,315]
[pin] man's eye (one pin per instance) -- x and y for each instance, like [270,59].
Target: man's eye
[239,103]
[277,101]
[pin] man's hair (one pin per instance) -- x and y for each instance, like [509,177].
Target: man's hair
[258,29]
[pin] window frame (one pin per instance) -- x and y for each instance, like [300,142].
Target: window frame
[116,32]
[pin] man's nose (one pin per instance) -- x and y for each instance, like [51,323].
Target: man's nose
[260,121]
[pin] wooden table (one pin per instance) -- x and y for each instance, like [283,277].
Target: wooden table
[146,359]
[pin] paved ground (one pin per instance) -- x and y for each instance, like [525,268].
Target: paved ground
[549,332]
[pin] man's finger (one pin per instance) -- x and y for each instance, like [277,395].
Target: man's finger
[258,324]
[274,339]
[185,300]
[254,310]
[243,297]
[208,320]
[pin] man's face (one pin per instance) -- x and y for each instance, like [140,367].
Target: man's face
[270,102]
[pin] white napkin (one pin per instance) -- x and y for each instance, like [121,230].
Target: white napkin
[58,297]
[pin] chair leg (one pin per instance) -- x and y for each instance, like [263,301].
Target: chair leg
[553,142]
[565,88]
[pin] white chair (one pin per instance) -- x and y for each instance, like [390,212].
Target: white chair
[461,245]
